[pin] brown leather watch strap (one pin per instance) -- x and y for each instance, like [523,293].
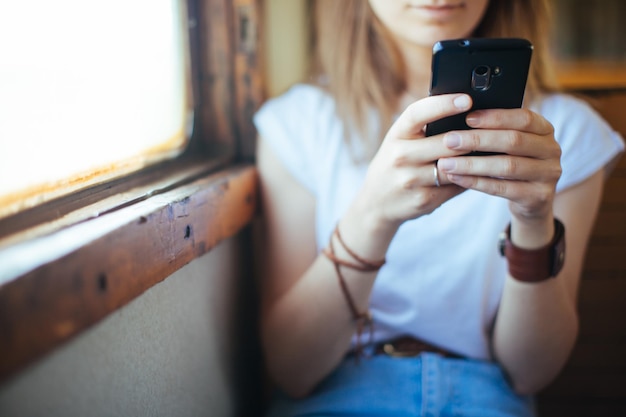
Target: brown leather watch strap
[535,265]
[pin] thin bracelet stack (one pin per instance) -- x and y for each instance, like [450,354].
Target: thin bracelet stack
[362,319]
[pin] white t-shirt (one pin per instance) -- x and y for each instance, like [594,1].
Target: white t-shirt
[444,276]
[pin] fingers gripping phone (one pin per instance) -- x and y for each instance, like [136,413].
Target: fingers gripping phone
[492,71]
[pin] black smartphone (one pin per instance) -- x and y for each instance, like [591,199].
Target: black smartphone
[493,71]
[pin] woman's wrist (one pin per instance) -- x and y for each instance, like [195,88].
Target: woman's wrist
[534,263]
[532,234]
[366,231]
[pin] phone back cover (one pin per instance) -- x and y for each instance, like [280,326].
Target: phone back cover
[453,63]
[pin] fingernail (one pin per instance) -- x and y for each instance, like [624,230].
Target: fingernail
[472,120]
[446,164]
[462,102]
[452,140]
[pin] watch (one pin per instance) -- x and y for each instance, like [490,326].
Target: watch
[534,265]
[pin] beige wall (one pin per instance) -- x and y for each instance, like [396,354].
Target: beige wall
[285,33]
[174,351]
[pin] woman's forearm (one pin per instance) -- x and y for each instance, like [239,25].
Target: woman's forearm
[535,331]
[308,331]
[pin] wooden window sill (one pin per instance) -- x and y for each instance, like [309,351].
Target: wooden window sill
[65,274]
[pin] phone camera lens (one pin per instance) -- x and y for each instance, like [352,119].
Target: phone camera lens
[464,42]
[481,70]
[481,78]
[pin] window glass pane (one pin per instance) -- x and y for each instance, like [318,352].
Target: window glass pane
[89,90]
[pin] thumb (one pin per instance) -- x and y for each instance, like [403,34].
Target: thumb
[411,122]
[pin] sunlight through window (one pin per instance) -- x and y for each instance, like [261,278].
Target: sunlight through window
[88,91]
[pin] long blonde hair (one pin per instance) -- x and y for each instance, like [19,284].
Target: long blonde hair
[358,63]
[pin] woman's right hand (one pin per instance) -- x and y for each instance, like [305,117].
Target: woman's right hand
[400,182]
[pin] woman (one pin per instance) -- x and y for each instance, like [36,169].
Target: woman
[384,292]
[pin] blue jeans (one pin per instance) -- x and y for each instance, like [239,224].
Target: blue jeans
[428,385]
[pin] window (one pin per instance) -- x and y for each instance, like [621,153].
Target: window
[67,263]
[90,91]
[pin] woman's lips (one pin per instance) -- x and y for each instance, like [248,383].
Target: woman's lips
[437,11]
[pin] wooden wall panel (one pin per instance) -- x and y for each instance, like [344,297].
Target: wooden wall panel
[593,384]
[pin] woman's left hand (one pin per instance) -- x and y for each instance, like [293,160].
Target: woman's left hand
[526,170]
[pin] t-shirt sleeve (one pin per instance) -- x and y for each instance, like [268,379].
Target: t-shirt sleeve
[587,141]
[279,122]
